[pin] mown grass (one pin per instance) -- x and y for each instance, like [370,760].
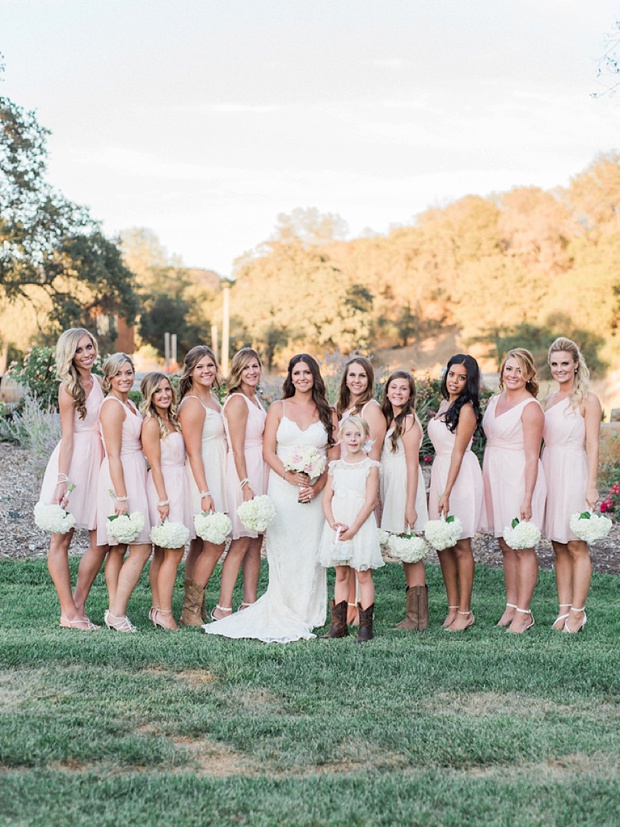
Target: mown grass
[413,728]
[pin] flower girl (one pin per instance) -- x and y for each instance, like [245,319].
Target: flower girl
[350,538]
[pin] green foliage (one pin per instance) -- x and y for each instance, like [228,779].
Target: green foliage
[33,426]
[37,374]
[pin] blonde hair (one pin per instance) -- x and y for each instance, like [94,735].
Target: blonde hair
[359,422]
[192,358]
[581,388]
[148,386]
[112,366]
[65,369]
[239,363]
[525,360]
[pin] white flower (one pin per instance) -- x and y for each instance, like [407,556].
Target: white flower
[306,460]
[407,547]
[169,535]
[53,518]
[213,527]
[125,527]
[256,514]
[384,536]
[590,527]
[522,534]
[443,533]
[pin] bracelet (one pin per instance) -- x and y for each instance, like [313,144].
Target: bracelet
[285,473]
[204,494]
[121,499]
[244,482]
[162,503]
[62,477]
[62,482]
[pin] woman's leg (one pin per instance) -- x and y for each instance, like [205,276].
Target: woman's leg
[251,571]
[415,574]
[582,574]
[195,550]
[447,561]
[129,575]
[166,576]
[230,572]
[510,579]
[58,567]
[527,575]
[352,598]
[88,569]
[154,570]
[113,566]
[465,567]
[341,587]
[564,581]
[203,568]
[367,588]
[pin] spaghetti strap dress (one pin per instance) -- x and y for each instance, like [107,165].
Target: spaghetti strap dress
[503,469]
[566,469]
[85,463]
[394,489]
[175,479]
[134,473]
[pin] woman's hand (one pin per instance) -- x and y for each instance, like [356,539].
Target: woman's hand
[163,511]
[121,507]
[207,504]
[346,535]
[411,517]
[308,493]
[591,497]
[61,497]
[444,505]
[526,510]
[299,478]
[247,492]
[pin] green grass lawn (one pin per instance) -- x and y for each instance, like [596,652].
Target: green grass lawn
[413,728]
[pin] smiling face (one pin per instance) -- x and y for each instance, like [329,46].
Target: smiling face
[357,379]
[301,377]
[205,372]
[563,366]
[398,392]
[162,395]
[456,380]
[351,437]
[122,382]
[251,373]
[513,377]
[85,353]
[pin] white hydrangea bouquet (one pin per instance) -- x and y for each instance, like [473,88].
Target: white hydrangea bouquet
[589,526]
[443,533]
[305,459]
[384,536]
[214,527]
[53,518]
[256,514]
[124,528]
[408,548]
[342,550]
[169,535]
[521,534]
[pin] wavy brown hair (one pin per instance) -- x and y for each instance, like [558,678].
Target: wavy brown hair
[240,361]
[66,370]
[408,408]
[192,358]
[148,386]
[319,396]
[344,394]
[525,360]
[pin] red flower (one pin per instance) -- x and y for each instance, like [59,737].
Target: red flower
[428,458]
[607,506]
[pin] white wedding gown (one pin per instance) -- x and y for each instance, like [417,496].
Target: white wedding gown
[296,598]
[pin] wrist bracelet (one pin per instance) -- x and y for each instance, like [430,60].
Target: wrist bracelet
[62,477]
[162,503]
[204,494]
[121,499]
[244,482]
[285,473]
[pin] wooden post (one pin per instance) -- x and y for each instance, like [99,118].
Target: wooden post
[173,347]
[167,348]
[214,346]
[225,325]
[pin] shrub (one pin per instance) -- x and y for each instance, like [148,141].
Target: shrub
[32,427]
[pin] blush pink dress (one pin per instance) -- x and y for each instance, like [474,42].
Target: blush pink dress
[255,466]
[85,463]
[467,495]
[175,479]
[503,469]
[394,489]
[566,469]
[134,472]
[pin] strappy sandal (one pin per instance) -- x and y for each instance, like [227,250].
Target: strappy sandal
[444,624]
[77,624]
[560,617]
[585,620]
[508,606]
[119,624]
[469,625]
[529,625]
[152,612]
[156,622]
[227,609]
[244,605]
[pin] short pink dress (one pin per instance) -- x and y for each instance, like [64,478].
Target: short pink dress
[255,466]
[85,463]
[467,495]
[503,469]
[566,469]
[175,479]
[134,472]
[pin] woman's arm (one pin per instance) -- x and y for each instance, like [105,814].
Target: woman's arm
[67,426]
[274,417]
[378,427]
[592,415]
[464,432]
[236,413]
[533,420]
[412,439]
[372,491]
[192,418]
[151,445]
[112,418]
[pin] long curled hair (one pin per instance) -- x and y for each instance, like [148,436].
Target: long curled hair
[470,393]
[148,386]
[192,358]
[239,363]
[112,366]
[66,370]
[525,360]
[581,388]
[408,408]
[319,396]
[344,394]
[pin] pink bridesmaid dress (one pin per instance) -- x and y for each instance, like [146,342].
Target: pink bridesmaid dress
[255,466]
[503,469]
[134,472]
[85,463]
[172,460]
[467,496]
[566,469]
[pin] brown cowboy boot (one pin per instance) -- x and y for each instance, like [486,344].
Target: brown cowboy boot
[366,618]
[422,597]
[411,617]
[194,592]
[339,626]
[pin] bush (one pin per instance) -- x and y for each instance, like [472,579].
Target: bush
[37,375]
[32,427]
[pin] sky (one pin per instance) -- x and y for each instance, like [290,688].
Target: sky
[203,120]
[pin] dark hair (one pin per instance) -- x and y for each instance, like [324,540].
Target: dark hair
[318,392]
[344,394]
[470,393]
[192,357]
[408,408]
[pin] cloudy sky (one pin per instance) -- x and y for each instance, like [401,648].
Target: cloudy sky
[204,119]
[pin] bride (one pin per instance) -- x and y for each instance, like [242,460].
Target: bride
[296,598]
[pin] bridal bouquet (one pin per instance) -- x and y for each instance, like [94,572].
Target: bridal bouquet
[589,526]
[443,533]
[408,548]
[521,534]
[304,459]
[256,514]
[214,527]
[53,518]
[169,535]
[125,527]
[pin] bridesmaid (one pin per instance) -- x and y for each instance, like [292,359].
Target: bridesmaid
[570,459]
[200,415]
[355,398]
[456,481]
[76,459]
[514,481]
[246,476]
[122,487]
[166,487]
[402,486]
